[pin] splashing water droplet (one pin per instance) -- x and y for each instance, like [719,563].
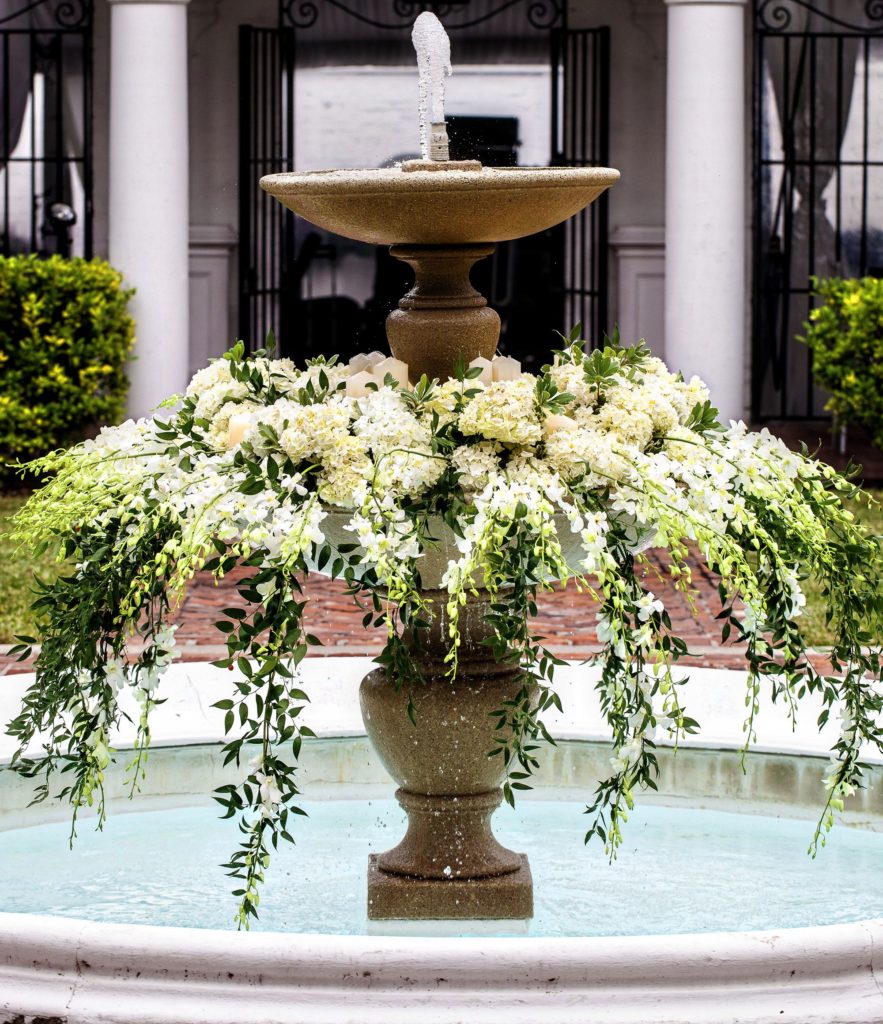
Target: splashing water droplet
[433,49]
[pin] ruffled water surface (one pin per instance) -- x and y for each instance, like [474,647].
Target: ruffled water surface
[678,870]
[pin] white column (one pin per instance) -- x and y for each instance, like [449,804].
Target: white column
[705,212]
[149,205]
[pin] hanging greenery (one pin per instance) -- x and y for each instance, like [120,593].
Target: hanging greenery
[354,472]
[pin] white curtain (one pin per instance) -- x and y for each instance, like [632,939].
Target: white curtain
[812,90]
[73,101]
[16,65]
[15,76]
[816,127]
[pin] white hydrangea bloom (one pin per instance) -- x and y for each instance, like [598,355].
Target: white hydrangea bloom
[653,366]
[335,375]
[212,399]
[696,392]
[585,416]
[572,453]
[657,404]
[477,465]
[282,374]
[313,431]
[623,415]
[504,411]
[217,373]
[684,445]
[385,424]
[444,401]
[409,472]
[528,471]
[345,470]
[570,377]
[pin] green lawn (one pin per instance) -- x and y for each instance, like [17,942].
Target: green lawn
[813,620]
[17,570]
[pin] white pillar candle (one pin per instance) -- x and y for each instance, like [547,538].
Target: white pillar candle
[487,371]
[237,427]
[506,368]
[373,358]
[357,384]
[359,362]
[397,369]
[558,421]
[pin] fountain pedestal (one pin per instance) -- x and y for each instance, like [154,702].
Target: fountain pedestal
[441,217]
[449,864]
[442,306]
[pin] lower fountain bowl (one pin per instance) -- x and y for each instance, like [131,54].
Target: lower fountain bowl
[434,561]
[56,968]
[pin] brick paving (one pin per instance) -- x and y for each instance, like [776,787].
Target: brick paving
[566,619]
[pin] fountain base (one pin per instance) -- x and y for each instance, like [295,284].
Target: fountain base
[434,739]
[495,898]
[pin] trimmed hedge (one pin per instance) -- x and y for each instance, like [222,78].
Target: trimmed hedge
[65,335]
[845,334]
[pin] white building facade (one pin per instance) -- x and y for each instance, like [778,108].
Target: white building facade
[681,235]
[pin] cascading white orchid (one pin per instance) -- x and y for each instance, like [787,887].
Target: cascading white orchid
[563,475]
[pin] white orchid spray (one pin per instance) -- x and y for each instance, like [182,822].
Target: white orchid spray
[566,475]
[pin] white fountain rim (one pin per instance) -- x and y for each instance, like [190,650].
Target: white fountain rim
[92,972]
[87,972]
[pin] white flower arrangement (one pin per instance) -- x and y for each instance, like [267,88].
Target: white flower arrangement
[564,475]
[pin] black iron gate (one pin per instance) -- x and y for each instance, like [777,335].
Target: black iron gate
[266,145]
[818,178]
[298,280]
[46,126]
[581,138]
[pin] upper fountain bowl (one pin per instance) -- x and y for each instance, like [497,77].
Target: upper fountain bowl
[389,206]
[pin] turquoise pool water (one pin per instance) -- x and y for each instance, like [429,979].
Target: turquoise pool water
[679,870]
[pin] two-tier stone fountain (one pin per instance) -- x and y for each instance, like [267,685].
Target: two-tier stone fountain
[441,216]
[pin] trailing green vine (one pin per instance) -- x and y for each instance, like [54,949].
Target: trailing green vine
[565,477]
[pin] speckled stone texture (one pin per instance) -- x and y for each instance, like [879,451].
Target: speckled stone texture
[500,897]
[388,206]
[442,306]
[449,787]
[409,166]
